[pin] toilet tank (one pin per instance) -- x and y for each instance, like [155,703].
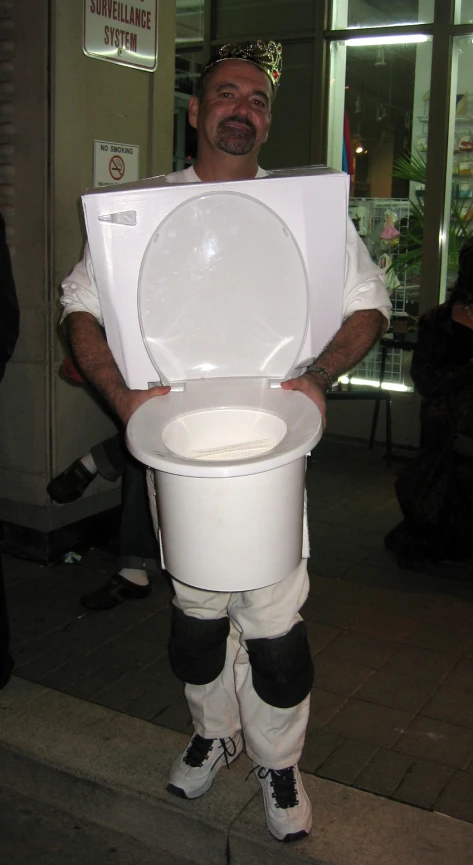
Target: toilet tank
[121,220]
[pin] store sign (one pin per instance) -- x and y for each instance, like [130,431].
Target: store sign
[115,163]
[125,33]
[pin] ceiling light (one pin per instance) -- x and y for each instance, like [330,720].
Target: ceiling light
[387,40]
[359,149]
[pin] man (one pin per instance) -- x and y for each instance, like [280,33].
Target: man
[244,657]
[9,329]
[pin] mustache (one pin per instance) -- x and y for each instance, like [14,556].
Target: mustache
[237,118]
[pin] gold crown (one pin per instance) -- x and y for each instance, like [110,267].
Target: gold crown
[266,55]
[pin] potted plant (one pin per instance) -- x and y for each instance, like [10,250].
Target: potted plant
[412,167]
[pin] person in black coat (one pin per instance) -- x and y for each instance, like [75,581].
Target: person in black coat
[9,329]
[435,492]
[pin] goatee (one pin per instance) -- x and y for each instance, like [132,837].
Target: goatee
[236,142]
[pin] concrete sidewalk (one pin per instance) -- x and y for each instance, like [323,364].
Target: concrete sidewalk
[110,769]
[392,707]
[34,833]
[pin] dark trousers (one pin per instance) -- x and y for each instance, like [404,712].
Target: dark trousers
[137,543]
[6,662]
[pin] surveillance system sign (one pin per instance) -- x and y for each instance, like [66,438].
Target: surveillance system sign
[124,33]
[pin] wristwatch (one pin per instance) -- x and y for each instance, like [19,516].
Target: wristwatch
[324,374]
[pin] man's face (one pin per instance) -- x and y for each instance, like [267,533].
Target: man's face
[234,114]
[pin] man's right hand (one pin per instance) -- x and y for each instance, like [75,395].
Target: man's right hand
[312,388]
[127,401]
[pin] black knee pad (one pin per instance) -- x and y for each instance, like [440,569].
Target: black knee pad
[197,647]
[282,668]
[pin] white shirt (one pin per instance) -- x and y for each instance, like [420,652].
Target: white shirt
[364,281]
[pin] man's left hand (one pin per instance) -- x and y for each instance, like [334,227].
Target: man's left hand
[308,385]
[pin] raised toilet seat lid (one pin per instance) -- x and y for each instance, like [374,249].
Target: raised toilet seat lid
[223,291]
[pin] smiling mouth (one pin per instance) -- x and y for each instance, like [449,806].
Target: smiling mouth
[234,124]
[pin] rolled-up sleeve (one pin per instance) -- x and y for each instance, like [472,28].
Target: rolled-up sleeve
[79,290]
[364,281]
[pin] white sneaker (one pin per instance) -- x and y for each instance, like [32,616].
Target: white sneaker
[192,773]
[286,803]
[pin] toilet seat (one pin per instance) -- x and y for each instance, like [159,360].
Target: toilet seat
[292,419]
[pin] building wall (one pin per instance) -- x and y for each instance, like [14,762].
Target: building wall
[63,101]
[24,396]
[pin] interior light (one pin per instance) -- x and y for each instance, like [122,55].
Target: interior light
[387,40]
[386,385]
[359,149]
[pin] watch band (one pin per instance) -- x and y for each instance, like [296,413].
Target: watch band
[324,374]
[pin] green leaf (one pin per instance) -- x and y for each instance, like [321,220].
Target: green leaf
[413,167]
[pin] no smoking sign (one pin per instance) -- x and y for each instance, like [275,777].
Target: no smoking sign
[117,168]
[115,163]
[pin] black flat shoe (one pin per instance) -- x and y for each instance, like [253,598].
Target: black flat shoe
[114,592]
[70,484]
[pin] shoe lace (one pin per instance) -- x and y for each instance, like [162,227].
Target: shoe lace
[198,751]
[200,748]
[283,783]
[229,747]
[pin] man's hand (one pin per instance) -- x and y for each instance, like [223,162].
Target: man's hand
[310,386]
[126,401]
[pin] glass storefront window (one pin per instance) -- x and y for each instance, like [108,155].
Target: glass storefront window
[382,13]
[189,65]
[239,20]
[189,27]
[466,12]
[189,20]
[378,133]
[460,159]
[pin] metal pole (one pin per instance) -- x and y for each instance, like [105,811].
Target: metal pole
[209,27]
[435,239]
[320,85]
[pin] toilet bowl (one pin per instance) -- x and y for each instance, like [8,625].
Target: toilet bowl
[213,299]
[229,460]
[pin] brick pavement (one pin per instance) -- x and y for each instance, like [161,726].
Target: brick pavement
[392,707]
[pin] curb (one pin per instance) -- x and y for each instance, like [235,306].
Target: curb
[111,769]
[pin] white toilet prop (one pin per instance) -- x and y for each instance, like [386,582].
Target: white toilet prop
[223,291]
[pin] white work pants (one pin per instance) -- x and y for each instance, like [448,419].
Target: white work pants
[274,737]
